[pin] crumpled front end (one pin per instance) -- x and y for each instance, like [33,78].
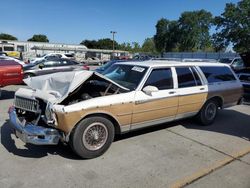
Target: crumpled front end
[31,133]
[32,119]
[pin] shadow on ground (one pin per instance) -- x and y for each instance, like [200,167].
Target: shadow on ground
[228,122]
[32,151]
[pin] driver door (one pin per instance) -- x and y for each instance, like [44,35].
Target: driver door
[159,106]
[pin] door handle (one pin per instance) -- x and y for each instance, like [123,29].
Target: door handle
[171,92]
[202,88]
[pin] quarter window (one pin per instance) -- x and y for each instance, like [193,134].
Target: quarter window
[217,74]
[185,77]
[160,78]
[196,76]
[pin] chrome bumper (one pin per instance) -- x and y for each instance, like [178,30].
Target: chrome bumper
[33,134]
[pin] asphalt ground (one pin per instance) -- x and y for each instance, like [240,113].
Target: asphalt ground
[177,154]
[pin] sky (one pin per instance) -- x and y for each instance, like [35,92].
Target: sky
[71,21]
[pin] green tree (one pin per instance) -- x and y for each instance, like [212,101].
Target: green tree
[234,26]
[159,38]
[5,36]
[194,27]
[39,38]
[92,44]
[125,46]
[167,35]
[107,44]
[148,46]
[100,44]
[135,47]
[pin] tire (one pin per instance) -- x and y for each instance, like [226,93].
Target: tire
[92,137]
[208,112]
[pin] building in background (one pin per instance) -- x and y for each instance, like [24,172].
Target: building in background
[30,50]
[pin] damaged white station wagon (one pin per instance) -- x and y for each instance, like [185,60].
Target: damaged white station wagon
[86,109]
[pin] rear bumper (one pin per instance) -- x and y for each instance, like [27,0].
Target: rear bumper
[33,134]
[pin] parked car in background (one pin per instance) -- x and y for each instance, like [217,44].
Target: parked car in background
[52,56]
[51,66]
[244,75]
[11,72]
[104,67]
[3,54]
[93,61]
[87,109]
[236,63]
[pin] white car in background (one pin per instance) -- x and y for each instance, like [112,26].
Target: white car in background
[51,56]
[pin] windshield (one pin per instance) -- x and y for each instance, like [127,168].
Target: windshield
[128,76]
[105,66]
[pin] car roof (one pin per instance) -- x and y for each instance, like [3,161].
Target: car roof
[157,63]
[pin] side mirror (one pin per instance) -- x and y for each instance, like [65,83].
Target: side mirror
[150,89]
[41,66]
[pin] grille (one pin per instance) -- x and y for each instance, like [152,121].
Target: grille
[26,104]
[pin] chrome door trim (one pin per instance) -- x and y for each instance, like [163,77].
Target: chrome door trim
[151,122]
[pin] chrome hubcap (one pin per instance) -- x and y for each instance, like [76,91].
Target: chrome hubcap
[210,111]
[95,136]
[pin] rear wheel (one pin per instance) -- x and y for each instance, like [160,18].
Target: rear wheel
[92,137]
[208,112]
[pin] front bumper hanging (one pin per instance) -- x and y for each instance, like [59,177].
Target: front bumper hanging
[33,134]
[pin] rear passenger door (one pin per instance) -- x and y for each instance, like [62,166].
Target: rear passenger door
[159,106]
[191,90]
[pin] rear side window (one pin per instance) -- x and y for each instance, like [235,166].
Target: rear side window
[218,74]
[187,77]
[160,78]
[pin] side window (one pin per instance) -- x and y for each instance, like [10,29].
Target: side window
[160,78]
[217,74]
[185,77]
[196,76]
[51,63]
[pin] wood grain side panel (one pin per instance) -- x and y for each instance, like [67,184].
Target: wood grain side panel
[155,110]
[121,112]
[191,103]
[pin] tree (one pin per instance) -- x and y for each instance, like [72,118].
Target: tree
[5,36]
[107,43]
[159,38]
[148,46]
[92,44]
[100,44]
[194,28]
[39,38]
[234,26]
[125,46]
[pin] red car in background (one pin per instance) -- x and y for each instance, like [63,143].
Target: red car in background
[11,73]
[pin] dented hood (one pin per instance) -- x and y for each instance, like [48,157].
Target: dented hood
[56,87]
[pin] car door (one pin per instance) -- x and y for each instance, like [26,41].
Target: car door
[191,90]
[160,105]
[47,67]
[63,66]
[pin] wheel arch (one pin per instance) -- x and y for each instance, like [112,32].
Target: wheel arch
[218,99]
[105,115]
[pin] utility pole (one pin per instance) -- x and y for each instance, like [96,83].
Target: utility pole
[113,35]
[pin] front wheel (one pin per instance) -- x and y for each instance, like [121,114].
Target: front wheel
[208,112]
[92,137]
